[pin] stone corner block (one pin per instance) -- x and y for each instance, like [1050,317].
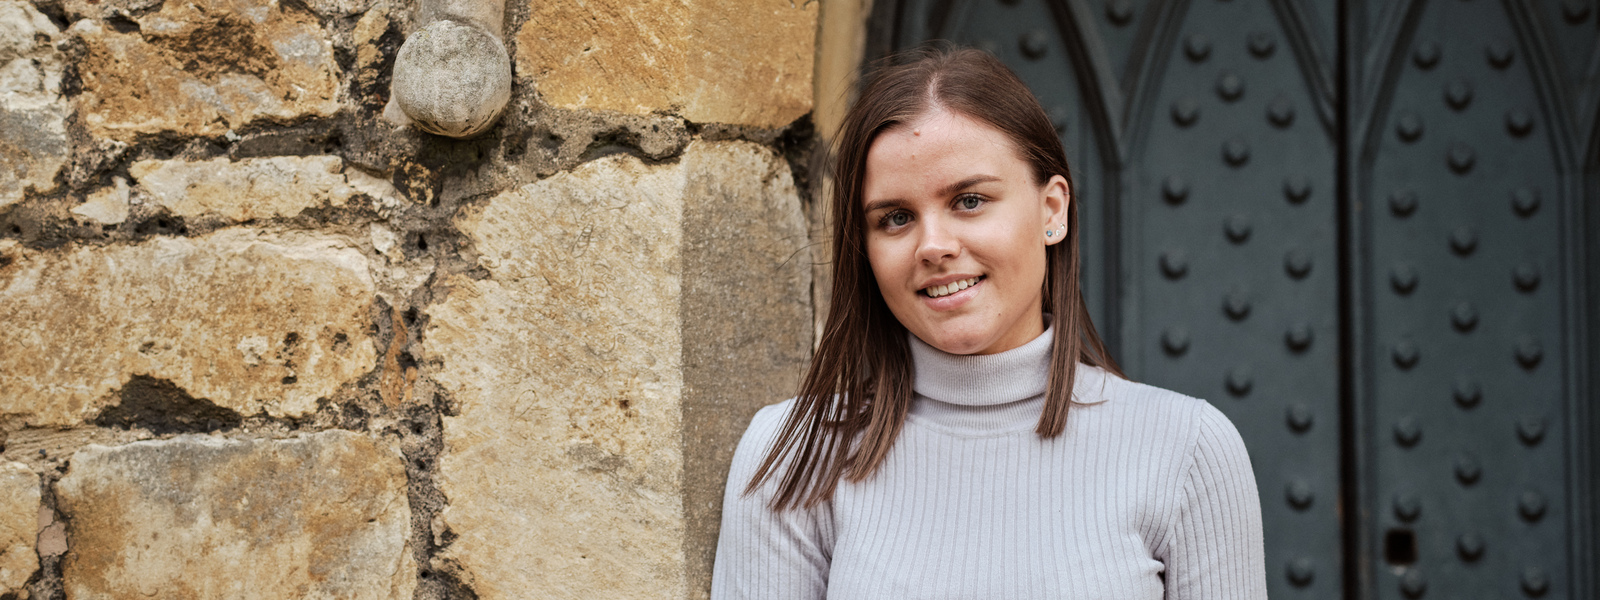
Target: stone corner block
[641,314]
[322,515]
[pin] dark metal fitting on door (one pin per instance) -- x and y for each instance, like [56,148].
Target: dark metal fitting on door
[1402,203]
[1407,432]
[1237,228]
[1236,305]
[1175,340]
[1298,337]
[1530,430]
[1300,572]
[1534,582]
[1519,122]
[1405,354]
[1197,47]
[1469,546]
[1468,471]
[1230,87]
[1297,188]
[1299,494]
[1468,393]
[1299,417]
[1464,317]
[1406,507]
[1461,158]
[1261,44]
[1412,584]
[1426,56]
[1458,94]
[1239,381]
[1531,506]
[1408,126]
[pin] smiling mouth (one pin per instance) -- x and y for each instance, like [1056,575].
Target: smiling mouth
[938,291]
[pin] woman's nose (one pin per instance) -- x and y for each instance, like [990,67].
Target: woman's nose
[937,243]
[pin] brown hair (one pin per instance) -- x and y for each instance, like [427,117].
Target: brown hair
[853,401]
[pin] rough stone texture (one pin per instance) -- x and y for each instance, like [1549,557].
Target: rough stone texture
[253,188]
[106,206]
[318,516]
[746,321]
[710,61]
[251,321]
[19,516]
[339,8]
[33,130]
[203,68]
[625,299]
[365,36]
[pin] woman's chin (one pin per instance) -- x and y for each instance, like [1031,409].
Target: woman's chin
[951,342]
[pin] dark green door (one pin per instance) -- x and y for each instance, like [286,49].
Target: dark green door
[1364,231]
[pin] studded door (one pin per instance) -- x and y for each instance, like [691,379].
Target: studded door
[1358,229]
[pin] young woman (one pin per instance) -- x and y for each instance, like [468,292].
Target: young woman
[962,432]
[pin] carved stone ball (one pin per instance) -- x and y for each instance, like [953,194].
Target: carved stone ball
[452,79]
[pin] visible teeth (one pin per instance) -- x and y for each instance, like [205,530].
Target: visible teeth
[950,288]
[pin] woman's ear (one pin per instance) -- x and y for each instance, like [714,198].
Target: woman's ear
[1057,201]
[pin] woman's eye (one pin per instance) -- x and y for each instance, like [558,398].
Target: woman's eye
[969,202]
[897,219]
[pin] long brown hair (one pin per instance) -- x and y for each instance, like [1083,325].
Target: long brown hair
[854,399]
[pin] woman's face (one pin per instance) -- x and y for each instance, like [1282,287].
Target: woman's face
[956,232]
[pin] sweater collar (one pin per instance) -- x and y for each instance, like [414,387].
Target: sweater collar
[982,379]
[993,394]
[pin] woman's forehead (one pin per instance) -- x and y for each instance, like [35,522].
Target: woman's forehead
[924,152]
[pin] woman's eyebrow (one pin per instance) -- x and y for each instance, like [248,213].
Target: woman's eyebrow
[880,204]
[966,183]
[944,191]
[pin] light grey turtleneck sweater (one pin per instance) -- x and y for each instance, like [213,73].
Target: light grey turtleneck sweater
[1147,494]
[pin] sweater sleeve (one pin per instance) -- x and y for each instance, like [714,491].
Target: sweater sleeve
[763,554]
[1216,548]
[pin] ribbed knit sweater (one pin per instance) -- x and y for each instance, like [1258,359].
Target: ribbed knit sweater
[1146,494]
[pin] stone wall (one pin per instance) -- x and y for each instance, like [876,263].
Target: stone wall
[258,342]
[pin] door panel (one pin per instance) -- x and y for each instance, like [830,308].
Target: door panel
[1231,252]
[1466,183]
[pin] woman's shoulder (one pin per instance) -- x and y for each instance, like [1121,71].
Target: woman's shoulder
[764,425]
[1184,417]
[760,434]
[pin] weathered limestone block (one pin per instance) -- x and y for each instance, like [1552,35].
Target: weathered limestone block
[33,116]
[318,516]
[19,518]
[203,68]
[107,206]
[710,61]
[253,188]
[367,34]
[633,319]
[252,321]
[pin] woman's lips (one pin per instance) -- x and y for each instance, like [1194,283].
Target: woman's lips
[936,291]
[952,299]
